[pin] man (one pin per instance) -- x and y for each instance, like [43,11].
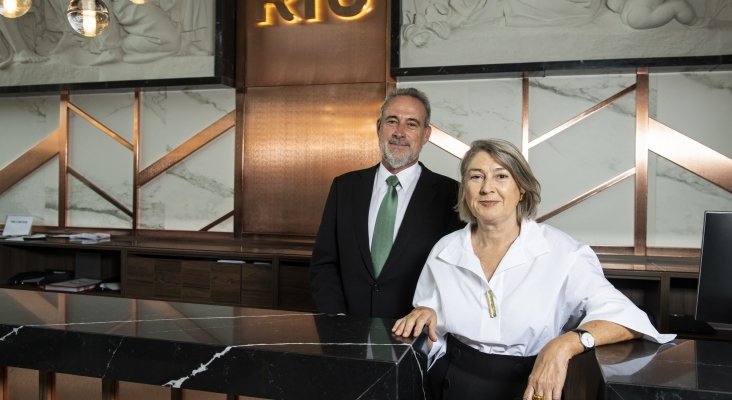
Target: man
[344,277]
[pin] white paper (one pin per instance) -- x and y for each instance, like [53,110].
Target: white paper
[18,225]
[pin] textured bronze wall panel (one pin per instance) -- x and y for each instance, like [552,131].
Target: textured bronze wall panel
[296,140]
[331,51]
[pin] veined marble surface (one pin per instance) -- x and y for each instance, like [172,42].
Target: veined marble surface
[225,349]
[187,197]
[597,148]
[201,188]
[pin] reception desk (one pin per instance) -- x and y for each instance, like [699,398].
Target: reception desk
[639,369]
[224,349]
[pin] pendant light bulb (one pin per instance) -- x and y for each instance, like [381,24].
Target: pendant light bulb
[138,1]
[14,8]
[88,17]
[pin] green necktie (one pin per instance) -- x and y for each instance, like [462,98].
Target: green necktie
[384,228]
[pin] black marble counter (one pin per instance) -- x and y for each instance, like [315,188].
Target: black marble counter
[682,369]
[233,350]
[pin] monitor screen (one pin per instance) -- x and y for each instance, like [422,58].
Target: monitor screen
[714,292]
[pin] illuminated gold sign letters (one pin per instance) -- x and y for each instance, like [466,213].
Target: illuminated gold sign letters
[307,11]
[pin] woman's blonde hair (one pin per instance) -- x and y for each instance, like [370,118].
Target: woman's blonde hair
[506,154]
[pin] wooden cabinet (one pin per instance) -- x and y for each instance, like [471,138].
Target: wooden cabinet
[293,285]
[276,274]
[185,279]
[102,262]
[661,286]
[201,272]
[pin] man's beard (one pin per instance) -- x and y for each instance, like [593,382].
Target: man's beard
[395,161]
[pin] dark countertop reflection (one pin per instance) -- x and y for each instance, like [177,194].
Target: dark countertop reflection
[234,350]
[682,369]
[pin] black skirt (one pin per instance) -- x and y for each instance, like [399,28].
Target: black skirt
[465,373]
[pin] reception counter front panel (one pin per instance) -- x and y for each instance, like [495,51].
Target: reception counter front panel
[233,350]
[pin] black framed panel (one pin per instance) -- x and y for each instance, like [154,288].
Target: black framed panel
[156,44]
[448,37]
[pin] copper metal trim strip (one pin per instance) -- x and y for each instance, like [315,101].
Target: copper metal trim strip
[587,195]
[46,385]
[189,147]
[30,161]
[63,159]
[217,221]
[690,154]
[641,162]
[572,121]
[136,112]
[448,143]
[3,383]
[239,165]
[110,389]
[99,191]
[525,115]
[100,126]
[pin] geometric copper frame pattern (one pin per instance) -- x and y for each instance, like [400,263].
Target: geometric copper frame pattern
[56,144]
[650,134]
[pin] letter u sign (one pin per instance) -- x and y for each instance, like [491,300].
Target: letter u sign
[303,11]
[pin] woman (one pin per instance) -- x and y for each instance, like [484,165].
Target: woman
[501,297]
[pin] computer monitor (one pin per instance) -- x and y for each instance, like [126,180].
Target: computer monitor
[714,291]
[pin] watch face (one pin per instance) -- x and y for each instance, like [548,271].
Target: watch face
[587,340]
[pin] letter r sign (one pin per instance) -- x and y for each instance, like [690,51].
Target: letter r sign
[299,11]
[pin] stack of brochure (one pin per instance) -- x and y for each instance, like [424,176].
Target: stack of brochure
[90,238]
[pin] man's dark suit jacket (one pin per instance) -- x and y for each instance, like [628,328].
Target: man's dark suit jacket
[341,271]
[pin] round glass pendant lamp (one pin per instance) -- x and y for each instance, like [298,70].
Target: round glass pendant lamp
[88,17]
[14,8]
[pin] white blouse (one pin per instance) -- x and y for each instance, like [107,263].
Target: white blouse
[546,284]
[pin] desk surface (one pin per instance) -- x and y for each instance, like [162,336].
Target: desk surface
[682,369]
[234,350]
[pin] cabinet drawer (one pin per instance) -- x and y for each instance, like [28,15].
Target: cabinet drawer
[256,285]
[183,279]
[294,287]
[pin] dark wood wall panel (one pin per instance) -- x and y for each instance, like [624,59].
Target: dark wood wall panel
[296,139]
[334,50]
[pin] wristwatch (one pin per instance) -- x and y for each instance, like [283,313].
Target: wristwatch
[586,339]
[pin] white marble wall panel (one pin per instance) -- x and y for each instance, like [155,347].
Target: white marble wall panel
[35,195]
[25,121]
[677,200]
[87,209]
[605,219]
[697,105]
[170,117]
[598,148]
[555,100]
[200,189]
[110,167]
[194,193]
[584,156]
[470,110]
[114,110]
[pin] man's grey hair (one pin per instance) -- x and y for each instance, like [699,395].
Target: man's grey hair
[411,92]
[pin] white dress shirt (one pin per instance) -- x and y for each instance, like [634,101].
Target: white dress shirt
[407,182]
[546,284]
